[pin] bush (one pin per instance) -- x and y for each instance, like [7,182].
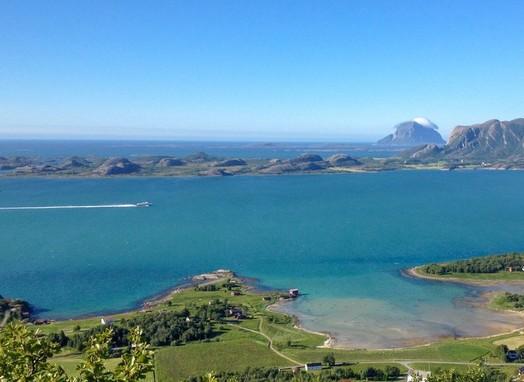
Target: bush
[500,352]
[329,359]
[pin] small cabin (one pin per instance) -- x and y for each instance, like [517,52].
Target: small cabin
[105,321]
[236,313]
[312,366]
[293,293]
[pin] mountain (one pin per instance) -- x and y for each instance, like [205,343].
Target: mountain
[491,140]
[418,131]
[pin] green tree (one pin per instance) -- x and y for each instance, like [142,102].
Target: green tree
[329,359]
[500,352]
[24,356]
[391,372]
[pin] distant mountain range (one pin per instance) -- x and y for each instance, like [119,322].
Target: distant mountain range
[416,132]
[491,140]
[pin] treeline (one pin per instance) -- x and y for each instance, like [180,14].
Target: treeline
[275,375]
[227,285]
[479,373]
[159,328]
[485,264]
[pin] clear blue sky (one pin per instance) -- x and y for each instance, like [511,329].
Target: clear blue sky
[256,70]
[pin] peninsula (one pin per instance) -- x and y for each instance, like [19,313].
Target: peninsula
[217,322]
[485,270]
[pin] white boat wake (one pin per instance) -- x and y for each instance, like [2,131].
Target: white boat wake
[136,205]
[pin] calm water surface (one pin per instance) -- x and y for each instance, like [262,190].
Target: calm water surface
[341,239]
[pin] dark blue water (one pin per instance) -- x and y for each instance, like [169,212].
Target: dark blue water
[52,149]
[341,239]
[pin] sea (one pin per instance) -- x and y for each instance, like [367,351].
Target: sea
[343,240]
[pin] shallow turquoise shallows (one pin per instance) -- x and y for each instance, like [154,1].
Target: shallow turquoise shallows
[341,239]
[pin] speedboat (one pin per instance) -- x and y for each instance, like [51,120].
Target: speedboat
[143,204]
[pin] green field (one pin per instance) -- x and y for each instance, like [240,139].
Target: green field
[177,362]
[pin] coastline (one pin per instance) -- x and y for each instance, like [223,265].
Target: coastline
[487,295]
[330,342]
[333,171]
[415,273]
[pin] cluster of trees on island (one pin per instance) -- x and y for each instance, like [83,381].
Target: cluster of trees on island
[158,328]
[485,264]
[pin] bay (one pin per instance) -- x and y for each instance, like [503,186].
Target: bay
[341,239]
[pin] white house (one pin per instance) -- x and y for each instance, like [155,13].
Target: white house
[418,375]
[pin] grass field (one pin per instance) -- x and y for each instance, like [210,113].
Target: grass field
[177,362]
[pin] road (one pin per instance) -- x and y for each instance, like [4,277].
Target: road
[270,342]
[404,362]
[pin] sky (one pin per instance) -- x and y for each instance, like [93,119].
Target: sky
[256,70]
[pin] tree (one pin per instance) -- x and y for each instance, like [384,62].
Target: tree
[329,359]
[501,351]
[392,372]
[24,356]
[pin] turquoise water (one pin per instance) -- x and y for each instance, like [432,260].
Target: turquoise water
[341,239]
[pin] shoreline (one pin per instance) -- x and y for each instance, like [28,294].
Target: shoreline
[415,273]
[486,295]
[143,305]
[330,342]
[333,171]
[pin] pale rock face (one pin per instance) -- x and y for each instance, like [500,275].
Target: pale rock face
[492,139]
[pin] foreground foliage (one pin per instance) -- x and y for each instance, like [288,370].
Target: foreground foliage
[25,354]
[478,373]
[276,375]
